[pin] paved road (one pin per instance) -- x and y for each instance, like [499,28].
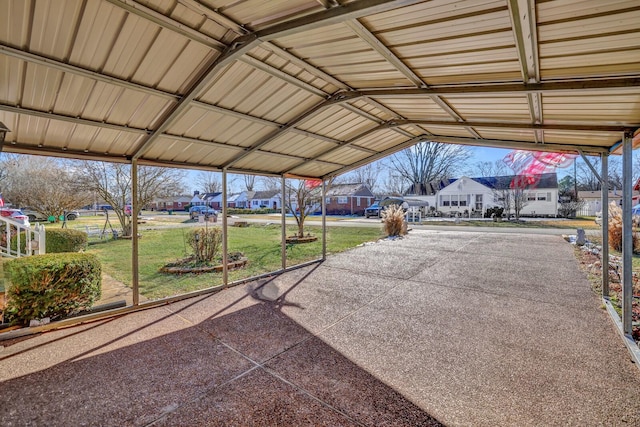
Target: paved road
[435,225]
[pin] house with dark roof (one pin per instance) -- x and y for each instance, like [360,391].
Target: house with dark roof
[270,199]
[348,199]
[468,196]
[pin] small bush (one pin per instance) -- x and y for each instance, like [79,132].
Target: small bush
[615,229]
[205,243]
[51,285]
[393,221]
[65,240]
[261,211]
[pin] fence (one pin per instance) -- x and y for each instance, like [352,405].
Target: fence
[28,240]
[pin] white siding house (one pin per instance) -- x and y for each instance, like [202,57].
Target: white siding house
[473,196]
[465,196]
[265,199]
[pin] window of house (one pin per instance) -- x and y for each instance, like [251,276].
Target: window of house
[328,200]
[357,201]
[343,200]
[256,202]
[542,196]
[445,201]
[531,197]
[454,200]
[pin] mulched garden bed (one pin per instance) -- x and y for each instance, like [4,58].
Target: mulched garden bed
[295,239]
[189,265]
[591,262]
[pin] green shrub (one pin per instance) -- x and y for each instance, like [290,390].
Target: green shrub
[261,211]
[65,240]
[205,243]
[393,221]
[51,285]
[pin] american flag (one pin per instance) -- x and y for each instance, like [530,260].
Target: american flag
[1,201]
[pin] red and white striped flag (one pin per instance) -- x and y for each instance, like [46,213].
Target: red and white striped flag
[1,201]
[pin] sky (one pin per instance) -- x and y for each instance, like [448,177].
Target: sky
[479,154]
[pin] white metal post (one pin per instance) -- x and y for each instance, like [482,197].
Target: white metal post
[135,279]
[627,232]
[605,223]
[324,219]
[225,230]
[283,222]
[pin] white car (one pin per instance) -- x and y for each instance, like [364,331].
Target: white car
[16,215]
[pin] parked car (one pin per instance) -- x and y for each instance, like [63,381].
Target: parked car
[195,211]
[16,215]
[37,216]
[375,210]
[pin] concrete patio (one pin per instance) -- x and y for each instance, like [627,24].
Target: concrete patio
[441,327]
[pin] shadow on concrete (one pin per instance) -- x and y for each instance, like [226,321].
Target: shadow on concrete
[253,366]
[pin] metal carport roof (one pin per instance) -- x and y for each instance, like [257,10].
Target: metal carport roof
[313,88]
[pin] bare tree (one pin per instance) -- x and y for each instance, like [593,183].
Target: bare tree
[249,181]
[502,194]
[429,161]
[394,185]
[46,185]
[487,169]
[270,183]
[302,197]
[209,182]
[368,174]
[588,181]
[112,183]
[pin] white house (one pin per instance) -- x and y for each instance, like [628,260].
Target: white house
[266,199]
[473,196]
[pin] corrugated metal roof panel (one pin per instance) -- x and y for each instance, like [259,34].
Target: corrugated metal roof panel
[504,108]
[108,79]
[299,145]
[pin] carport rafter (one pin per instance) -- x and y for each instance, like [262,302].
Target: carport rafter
[394,124]
[523,22]
[82,72]
[231,54]
[164,21]
[243,44]
[372,41]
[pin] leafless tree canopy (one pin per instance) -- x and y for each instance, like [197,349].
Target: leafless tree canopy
[47,185]
[429,161]
[301,199]
[368,174]
[249,182]
[487,169]
[209,182]
[394,185]
[589,182]
[111,182]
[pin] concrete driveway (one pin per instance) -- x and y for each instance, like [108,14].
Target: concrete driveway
[441,327]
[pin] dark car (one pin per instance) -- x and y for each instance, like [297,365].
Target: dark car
[375,210]
[196,211]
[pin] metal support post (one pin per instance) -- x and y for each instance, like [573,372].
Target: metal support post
[627,232]
[135,276]
[604,188]
[283,221]
[324,219]
[225,232]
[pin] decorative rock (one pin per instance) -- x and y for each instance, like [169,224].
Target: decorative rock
[581,239]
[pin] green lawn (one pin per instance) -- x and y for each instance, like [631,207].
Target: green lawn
[259,243]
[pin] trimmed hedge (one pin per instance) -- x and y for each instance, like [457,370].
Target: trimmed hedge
[51,285]
[58,240]
[65,240]
[261,211]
